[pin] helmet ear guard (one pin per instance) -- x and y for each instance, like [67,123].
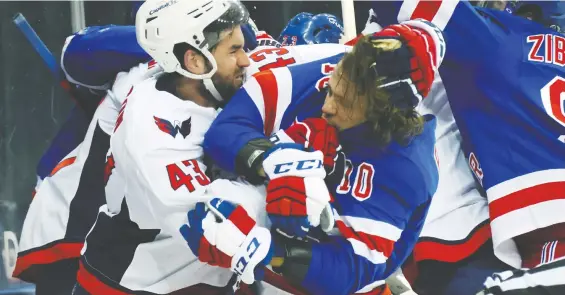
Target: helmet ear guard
[162,25]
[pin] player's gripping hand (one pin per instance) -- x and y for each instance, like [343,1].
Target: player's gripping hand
[407,60]
[223,234]
[297,197]
[315,134]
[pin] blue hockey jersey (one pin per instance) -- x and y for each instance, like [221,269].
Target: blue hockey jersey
[382,201]
[505,82]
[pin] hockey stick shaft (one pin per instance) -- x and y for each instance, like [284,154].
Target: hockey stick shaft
[23,25]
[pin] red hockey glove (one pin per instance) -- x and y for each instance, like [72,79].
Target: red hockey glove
[297,197]
[412,52]
[315,134]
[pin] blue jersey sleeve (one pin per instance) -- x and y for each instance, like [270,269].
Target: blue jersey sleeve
[379,224]
[269,101]
[238,123]
[93,56]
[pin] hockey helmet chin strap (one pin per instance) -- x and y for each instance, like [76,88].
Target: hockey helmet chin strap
[209,84]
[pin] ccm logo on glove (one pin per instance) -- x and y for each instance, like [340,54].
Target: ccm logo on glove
[298,165]
[241,264]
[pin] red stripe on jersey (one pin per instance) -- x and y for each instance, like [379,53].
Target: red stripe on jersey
[426,10]
[373,242]
[56,252]
[64,163]
[527,197]
[92,285]
[241,220]
[263,35]
[151,64]
[438,251]
[269,88]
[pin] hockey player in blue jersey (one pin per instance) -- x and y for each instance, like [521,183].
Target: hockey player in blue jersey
[504,78]
[380,198]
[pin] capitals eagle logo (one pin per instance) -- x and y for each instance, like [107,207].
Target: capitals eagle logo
[167,127]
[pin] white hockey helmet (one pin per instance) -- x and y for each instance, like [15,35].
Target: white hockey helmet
[161,24]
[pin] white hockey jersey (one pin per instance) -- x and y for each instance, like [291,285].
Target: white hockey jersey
[457,221]
[135,244]
[66,202]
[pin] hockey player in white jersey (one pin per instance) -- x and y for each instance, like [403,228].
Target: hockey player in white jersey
[66,203]
[135,244]
[77,188]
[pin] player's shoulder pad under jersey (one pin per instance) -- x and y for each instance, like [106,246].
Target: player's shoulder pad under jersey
[152,120]
[125,81]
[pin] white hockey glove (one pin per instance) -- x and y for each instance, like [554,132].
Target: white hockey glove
[223,234]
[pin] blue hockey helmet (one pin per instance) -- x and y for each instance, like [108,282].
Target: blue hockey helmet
[293,33]
[249,31]
[549,13]
[324,28]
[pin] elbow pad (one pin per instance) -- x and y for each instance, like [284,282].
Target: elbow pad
[250,158]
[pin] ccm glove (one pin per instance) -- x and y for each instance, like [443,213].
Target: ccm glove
[223,234]
[297,197]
